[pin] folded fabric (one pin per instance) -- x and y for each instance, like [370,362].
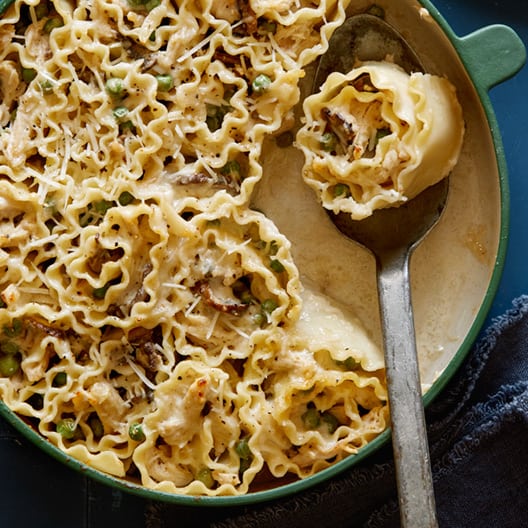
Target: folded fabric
[478,430]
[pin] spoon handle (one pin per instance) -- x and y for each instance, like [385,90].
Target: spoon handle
[409,435]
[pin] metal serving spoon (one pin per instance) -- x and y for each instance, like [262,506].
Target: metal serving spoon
[391,235]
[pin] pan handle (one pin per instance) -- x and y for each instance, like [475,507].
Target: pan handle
[492,54]
[4,4]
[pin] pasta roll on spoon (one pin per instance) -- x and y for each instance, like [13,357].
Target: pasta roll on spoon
[378,136]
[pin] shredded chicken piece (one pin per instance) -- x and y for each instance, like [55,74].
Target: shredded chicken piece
[9,91]
[35,368]
[109,406]
[184,416]
[163,468]
[37,43]
[226,10]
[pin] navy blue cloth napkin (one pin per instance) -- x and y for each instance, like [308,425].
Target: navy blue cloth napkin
[478,431]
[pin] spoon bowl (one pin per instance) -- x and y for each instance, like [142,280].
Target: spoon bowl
[391,234]
[395,229]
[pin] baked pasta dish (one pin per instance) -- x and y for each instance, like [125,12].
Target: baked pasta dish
[152,324]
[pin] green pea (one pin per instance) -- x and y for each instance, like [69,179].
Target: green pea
[135,431]
[114,86]
[165,82]
[229,92]
[120,112]
[9,347]
[60,379]
[9,365]
[28,74]
[277,266]
[100,293]
[52,23]
[266,308]
[328,142]
[351,364]
[246,297]
[232,169]
[267,26]
[102,206]
[260,244]
[341,190]
[41,10]
[96,426]
[126,125]
[46,87]
[245,463]
[67,428]
[273,248]
[206,476]
[331,422]
[383,132]
[243,450]
[259,318]
[269,305]
[242,290]
[125,198]
[151,4]
[261,84]
[311,418]
[15,329]
[215,116]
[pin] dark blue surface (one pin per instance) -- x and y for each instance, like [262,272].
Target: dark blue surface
[511,108]
[38,492]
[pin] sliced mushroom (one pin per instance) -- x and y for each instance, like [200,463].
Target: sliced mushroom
[136,52]
[219,297]
[34,324]
[220,181]
[343,129]
[101,256]
[249,17]
[146,347]
[141,294]
[192,178]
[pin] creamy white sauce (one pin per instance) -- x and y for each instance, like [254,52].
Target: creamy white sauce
[448,278]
